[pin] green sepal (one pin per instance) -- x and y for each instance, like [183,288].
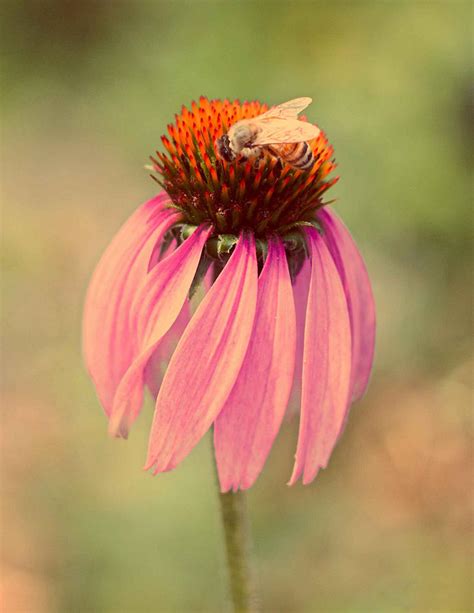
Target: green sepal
[187,230]
[225,244]
[218,247]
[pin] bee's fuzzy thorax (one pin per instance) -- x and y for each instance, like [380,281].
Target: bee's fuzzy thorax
[266,196]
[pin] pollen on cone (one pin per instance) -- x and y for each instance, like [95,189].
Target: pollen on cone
[207,188]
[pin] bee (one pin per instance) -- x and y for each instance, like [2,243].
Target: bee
[277,132]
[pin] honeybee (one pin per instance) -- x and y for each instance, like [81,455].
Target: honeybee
[277,132]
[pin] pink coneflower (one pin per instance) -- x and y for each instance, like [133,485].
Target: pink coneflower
[287,305]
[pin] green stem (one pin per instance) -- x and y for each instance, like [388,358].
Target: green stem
[236,526]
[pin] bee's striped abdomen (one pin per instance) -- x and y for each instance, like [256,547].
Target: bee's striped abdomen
[298,155]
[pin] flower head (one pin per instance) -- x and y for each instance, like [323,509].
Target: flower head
[265,196]
[287,304]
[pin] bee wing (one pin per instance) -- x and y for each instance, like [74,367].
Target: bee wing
[288,110]
[274,131]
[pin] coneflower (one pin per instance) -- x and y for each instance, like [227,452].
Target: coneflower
[257,236]
[261,233]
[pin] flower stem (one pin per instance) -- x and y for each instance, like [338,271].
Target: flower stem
[236,526]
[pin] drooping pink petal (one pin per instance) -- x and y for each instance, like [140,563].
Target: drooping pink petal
[360,300]
[249,422]
[155,308]
[108,343]
[326,363]
[300,294]
[206,362]
[156,366]
[154,370]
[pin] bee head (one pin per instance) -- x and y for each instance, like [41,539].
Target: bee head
[223,148]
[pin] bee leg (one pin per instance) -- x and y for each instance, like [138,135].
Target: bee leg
[259,159]
[255,154]
[248,152]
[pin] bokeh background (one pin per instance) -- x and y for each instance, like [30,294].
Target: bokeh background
[87,90]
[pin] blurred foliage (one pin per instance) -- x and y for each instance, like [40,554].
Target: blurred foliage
[87,90]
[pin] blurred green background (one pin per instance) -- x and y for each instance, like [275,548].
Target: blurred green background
[88,88]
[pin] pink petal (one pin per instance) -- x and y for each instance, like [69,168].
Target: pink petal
[154,370]
[108,343]
[156,307]
[249,422]
[156,366]
[360,300]
[326,363]
[300,293]
[206,362]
